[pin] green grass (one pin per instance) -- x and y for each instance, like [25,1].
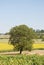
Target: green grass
[22,60]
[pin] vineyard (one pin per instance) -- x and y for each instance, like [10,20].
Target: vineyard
[22,60]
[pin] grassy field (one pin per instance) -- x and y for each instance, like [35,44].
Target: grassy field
[6,46]
[22,60]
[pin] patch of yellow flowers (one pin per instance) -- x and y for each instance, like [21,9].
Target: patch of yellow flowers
[38,45]
[6,46]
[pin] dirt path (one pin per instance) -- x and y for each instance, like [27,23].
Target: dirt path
[40,52]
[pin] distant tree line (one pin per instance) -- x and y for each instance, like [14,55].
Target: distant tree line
[40,34]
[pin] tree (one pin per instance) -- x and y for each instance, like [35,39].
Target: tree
[21,37]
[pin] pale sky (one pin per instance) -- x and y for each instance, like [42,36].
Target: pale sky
[16,12]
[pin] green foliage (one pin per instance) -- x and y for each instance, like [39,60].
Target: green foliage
[40,34]
[21,37]
[22,60]
[43,38]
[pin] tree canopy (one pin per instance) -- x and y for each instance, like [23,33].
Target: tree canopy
[21,36]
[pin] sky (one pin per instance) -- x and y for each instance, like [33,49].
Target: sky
[17,12]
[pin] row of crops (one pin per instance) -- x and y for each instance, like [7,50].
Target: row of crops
[22,60]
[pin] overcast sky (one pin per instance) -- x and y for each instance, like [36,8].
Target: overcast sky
[16,12]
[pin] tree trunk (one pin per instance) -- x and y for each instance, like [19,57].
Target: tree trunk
[21,49]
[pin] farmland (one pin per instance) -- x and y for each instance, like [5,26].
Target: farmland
[6,46]
[22,60]
[38,46]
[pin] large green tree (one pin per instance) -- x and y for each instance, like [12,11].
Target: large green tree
[21,37]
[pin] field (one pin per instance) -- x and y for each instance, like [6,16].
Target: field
[38,46]
[35,57]
[22,60]
[6,46]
